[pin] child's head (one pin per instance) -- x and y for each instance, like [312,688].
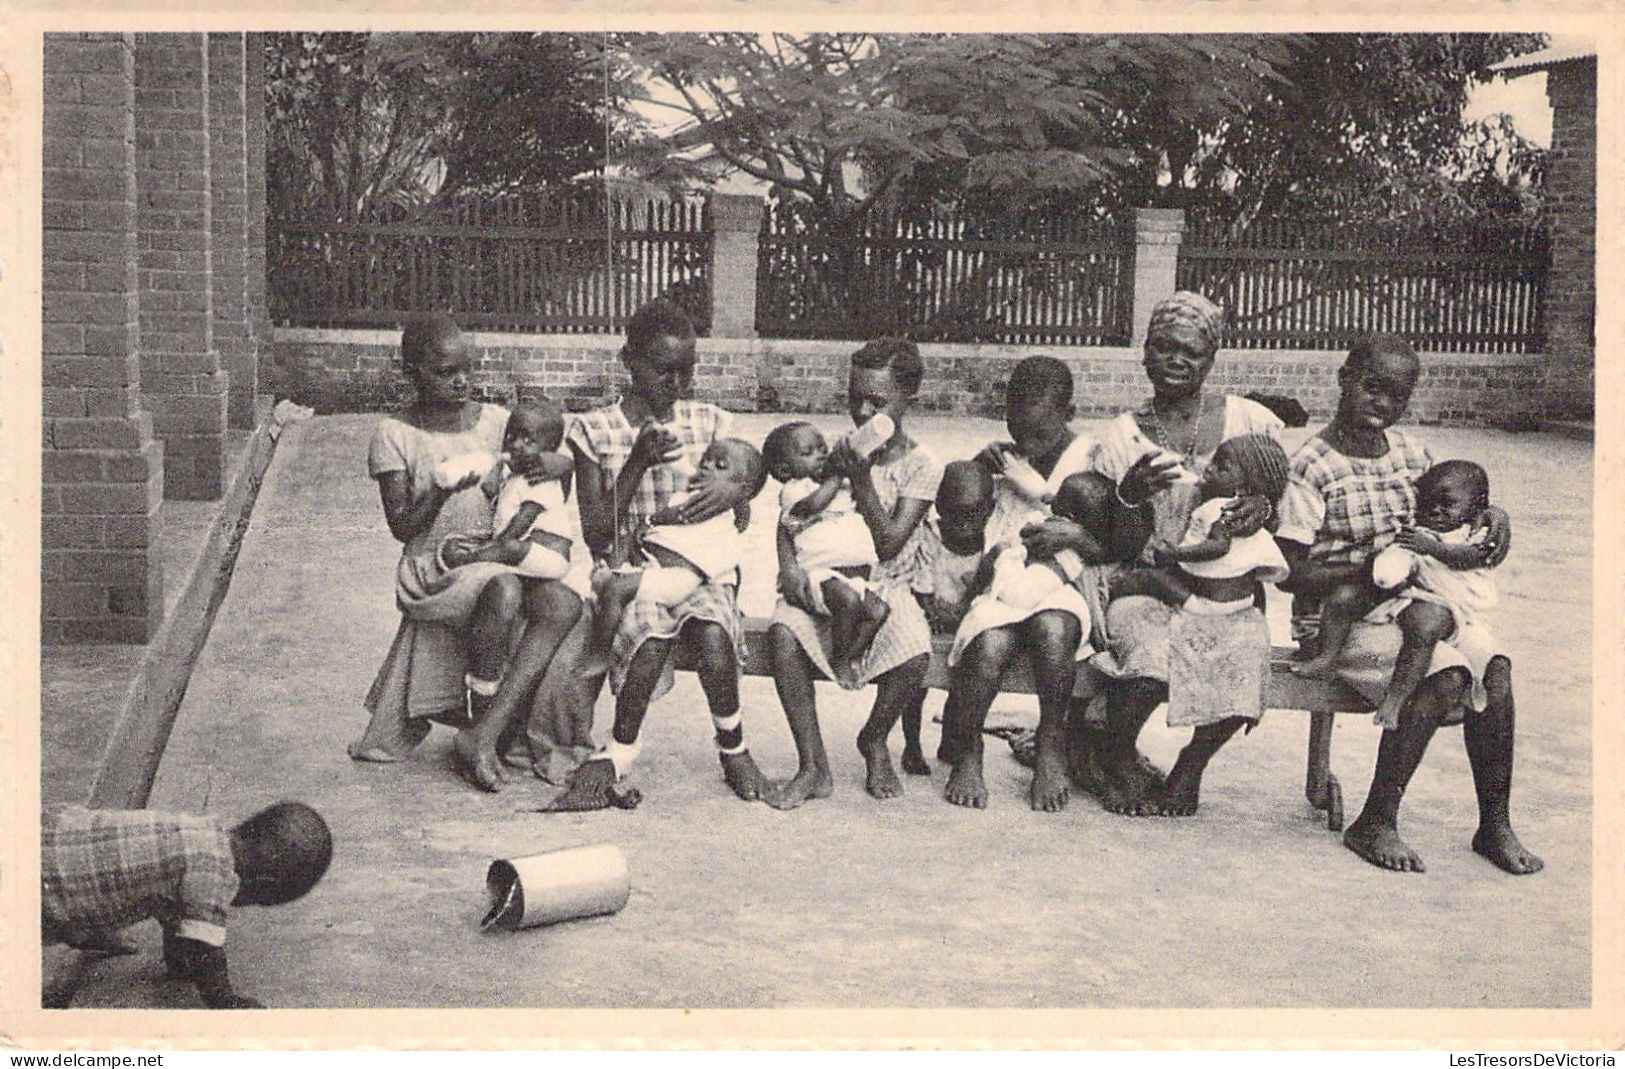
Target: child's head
[437,357]
[733,462]
[1247,464]
[1375,382]
[1451,494]
[884,377]
[533,429]
[1085,498]
[280,853]
[794,450]
[659,354]
[1038,405]
[964,504]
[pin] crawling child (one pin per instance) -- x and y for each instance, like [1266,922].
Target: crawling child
[833,544]
[679,555]
[1439,559]
[102,870]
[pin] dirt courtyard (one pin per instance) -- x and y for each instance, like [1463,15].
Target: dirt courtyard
[852,902]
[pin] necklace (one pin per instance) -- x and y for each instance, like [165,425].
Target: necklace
[1196,427]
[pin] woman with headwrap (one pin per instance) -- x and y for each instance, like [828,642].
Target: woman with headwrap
[1157,454]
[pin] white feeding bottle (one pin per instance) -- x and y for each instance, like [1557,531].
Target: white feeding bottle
[865,440]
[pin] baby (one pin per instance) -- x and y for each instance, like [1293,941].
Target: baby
[105,869]
[833,544]
[1210,572]
[679,555]
[1441,560]
[530,530]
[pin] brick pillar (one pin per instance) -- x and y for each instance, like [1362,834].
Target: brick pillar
[181,379]
[228,222]
[1157,234]
[736,227]
[1571,197]
[102,470]
[259,315]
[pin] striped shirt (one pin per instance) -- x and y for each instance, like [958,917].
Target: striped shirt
[104,869]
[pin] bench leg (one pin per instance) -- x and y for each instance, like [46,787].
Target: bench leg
[1320,786]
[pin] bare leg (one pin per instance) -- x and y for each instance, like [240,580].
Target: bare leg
[872,612]
[913,755]
[1489,737]
[1129,788]
[893,691]
[590,784]
[719,678]
[1339,610]
[845,605]
[1422,625]
[473,752]
[792,677]
[1182,793]
[970,695]
[1375,834]
[613,591]
[1052,642]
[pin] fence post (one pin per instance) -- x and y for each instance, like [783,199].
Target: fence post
[1157,234]
[736,226]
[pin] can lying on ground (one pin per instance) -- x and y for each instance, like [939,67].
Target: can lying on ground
[560,885]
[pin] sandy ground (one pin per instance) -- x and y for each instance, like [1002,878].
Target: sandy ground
[850,901]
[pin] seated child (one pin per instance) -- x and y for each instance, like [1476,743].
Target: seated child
[680,555]
[833,544]
[1210,572]
[105,869]
[955,544]
[1441,560]
[530,529]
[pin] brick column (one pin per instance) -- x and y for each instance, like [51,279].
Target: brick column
[181,380]
[259,315]
[736,227]
[228,222]
[1571,197]
[102,470]
[1157,235]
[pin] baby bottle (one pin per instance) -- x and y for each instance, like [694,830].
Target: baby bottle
[1023,477]
[868,438]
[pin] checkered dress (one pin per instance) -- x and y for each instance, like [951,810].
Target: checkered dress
[104,869]
[605,436]
[1346,508]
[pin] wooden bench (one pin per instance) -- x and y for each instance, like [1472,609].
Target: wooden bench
[1321,700]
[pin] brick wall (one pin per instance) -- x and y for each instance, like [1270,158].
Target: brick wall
[228,224]
[334,370]
[102,470]
[181,380]
[1571,197]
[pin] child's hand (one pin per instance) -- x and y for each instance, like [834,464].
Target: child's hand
[796,589]
[1498,542]
[461,549]
[992,456]
[1418,540]
[1245,516]
[654,445]
[665,517]
[1163,554]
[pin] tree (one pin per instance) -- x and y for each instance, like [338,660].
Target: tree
[369,125]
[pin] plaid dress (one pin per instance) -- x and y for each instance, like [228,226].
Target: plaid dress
[105,869]
[905,634]
[1345,509]
[605,437]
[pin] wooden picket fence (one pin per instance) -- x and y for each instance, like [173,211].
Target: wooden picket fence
[540,264]
[1293,285]
[943,276]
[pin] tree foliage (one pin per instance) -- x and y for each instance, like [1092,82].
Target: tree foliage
[1351,126]
[371,125]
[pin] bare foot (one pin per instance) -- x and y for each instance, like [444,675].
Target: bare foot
[1316,668]
[965,784]
[1049,790]
[914,762]
[1387,712]
[741,773]
[479,768]
[880,779]
[1497,843]
[588,789]
[1180,795]
[1382,847]
[1127,788]
[804,786]
[845,677]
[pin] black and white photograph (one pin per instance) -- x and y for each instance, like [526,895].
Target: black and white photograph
[545,515]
